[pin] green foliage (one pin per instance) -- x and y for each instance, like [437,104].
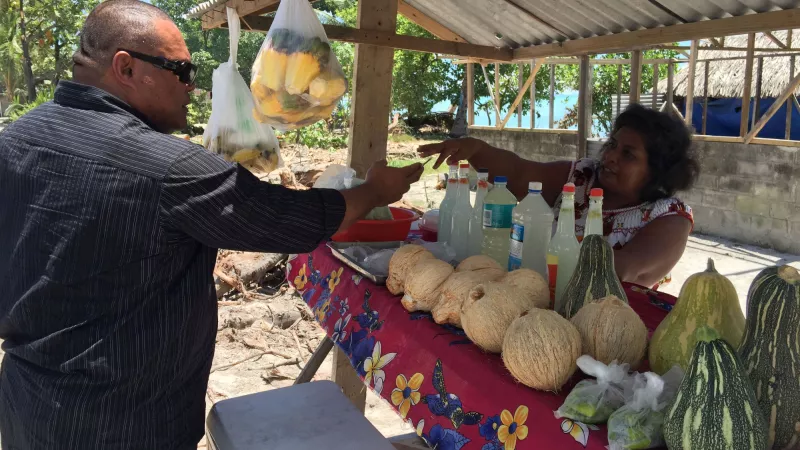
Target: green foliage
[199,109]
[316,136]
[19,108]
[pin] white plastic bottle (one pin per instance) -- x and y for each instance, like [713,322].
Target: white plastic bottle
[476,220]
[462,211]
[562,255]
[532,224]
[497,209]
[446,207]
[594,221]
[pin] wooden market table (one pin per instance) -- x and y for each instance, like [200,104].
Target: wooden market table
[455,395]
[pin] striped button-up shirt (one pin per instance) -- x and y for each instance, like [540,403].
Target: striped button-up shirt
[109,233]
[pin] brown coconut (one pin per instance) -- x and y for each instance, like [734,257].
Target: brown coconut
[455,291]
[488,311]
[424,284]
[402,260]
[610,330]
[532,284]
[479,262]
[540,349]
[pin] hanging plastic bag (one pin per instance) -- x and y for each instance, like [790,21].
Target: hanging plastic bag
[593,401]
[232,131]
[639,423]
[340,177]
[297,79]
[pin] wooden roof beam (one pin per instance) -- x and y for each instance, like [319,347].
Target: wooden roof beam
[217,17]
[750,23]
[432,26]
[398,41]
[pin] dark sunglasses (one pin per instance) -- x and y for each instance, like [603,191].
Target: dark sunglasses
[186,71]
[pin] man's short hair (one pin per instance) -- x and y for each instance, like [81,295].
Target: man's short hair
[116,24]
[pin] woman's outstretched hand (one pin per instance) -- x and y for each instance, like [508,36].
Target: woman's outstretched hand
[452,151]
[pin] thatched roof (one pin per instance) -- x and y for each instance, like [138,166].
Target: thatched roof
[726,78]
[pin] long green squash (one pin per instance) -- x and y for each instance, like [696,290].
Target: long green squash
[706,298]
[770,351]
[594,277]
[715,408]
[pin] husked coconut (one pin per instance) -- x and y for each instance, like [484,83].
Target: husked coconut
[402,260]
[532,284]
[611,330]
[424,284]
[488,311]
[541,348]
[456,289]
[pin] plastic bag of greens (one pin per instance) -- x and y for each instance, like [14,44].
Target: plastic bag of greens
[639,423]
[340,177]
[593,401]
[232,130]
[297,79]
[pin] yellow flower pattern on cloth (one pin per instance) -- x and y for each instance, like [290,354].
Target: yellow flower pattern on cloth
[374,365]
[301,279]
[336,278]
[406,394]
[513,427]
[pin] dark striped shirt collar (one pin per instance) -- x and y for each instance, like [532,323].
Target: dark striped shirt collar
[84,96]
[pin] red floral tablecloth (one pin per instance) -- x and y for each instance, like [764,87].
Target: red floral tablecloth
[454,394]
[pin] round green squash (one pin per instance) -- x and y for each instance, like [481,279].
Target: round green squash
[770,352]
[706,298]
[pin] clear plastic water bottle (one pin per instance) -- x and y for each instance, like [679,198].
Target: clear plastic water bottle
[497,209]
[446,207]
[532,224]
[462,211]
[594,222]
[562,255]
[476,220]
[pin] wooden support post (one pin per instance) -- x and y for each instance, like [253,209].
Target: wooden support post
[552,94]
[533,99]
[705,95]
[497,94]
[773,109]
[775,40]
[520,96]
[670,85]
[636,76]
[470,94]
[655,86]
[789,103]
[492,93]
[371,103]
[319,355]
[690,82]
[346,377]
[520,82]
[584,105]
[757,103]
[748,81]
[619,89]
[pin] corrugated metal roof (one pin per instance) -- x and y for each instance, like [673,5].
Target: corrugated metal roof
[521,23]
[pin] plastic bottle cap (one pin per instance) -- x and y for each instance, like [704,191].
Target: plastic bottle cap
[569,187]
[500,179]
[464,165]
[482,170]
[452,165]
[596,192]
[535,186]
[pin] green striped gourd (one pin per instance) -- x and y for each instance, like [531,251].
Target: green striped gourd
[706,298]
[770,352]
[715,407]
[594,277]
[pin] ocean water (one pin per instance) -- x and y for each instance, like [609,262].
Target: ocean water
[561,102]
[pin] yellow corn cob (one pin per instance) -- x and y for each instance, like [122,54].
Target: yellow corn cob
[245,155]
[268,104]
[301,68]
[273,68]
[326,89]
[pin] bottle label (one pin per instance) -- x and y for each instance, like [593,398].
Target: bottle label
[552,275]
[515,247]
[483,184]
[497,216]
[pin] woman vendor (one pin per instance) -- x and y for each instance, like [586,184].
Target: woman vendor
[645,161]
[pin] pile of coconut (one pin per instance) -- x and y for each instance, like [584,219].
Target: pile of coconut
[509,313]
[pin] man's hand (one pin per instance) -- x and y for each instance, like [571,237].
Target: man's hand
[390,183]
[452,151]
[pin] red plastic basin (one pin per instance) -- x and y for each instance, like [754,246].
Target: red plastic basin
[379,230]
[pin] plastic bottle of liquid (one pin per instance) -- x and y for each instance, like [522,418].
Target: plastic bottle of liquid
[476,219]
[497,209]
[594,222]
[462,210]
[532,223]
[562,255]
[446,207]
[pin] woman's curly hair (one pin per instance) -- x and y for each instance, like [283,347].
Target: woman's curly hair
[670,154]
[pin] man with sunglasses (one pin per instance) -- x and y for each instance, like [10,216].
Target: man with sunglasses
[110,230]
